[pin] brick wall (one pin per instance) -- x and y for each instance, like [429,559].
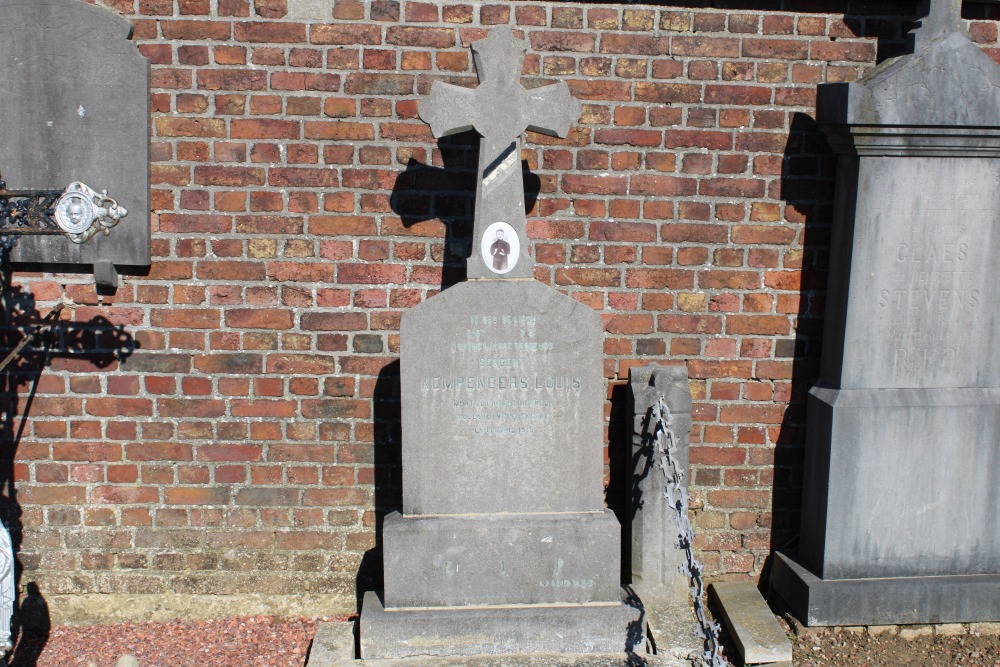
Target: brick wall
[228,423]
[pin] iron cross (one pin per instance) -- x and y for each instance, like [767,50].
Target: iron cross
[500,109]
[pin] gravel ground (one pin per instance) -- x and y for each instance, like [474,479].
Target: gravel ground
[892,648]
[264,641]
[257,641]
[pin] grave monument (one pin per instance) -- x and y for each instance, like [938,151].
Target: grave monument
[74,107]
[902,468]
[504,544]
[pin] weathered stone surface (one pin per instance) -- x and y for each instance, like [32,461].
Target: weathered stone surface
[596,628]
[74,94]
[872,601]
[916,305]
[333,646]
[656,558]
[509,559]
[901,468]
[500,109]
[503,398]
[758,636]
[907,464]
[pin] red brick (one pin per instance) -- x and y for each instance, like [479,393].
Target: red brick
[713,47]
[190,127]
[196,30]
[265,129]
[269,32]
[643,45]
[232,79]
[667,93]
[788,49]
[662,186]
[419,36]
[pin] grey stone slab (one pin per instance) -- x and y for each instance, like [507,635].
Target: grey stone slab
[592,628]
[441,561]
[758,636]
[500,109]
[656,556]
[502,402]
[333,646]
[908,486]
[914,306]
[74,106]
[902,474]
[671,627]
[885,601]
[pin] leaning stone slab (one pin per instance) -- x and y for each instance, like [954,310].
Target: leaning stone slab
[758,636]
[656,557]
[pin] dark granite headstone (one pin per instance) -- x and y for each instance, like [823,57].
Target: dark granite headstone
[504,544]
[902,480]
[74,106]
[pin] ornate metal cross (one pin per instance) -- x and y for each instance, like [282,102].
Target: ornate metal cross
[77,212]
[500,109]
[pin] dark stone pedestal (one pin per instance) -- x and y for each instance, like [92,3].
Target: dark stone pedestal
[887,600]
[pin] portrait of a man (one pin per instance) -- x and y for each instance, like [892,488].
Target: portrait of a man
[500,250]
[500,247]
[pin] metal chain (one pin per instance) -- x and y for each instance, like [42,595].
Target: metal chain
[665,444]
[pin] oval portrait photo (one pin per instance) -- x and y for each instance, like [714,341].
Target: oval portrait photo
[500,247]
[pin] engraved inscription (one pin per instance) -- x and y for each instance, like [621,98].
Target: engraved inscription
[926,283]
[507,396]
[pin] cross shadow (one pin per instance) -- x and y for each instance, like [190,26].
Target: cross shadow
[97,343]
[448,194]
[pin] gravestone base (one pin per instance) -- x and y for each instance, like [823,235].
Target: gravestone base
[462,560]
[496,630]
[873,452]
[900,525]
[885,601]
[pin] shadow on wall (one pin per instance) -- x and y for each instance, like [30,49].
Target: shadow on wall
[807,186]
[386,408]
[96,343]
[621,492]
[448,193]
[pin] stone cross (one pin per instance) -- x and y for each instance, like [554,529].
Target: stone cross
[500,109]
[941,18]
